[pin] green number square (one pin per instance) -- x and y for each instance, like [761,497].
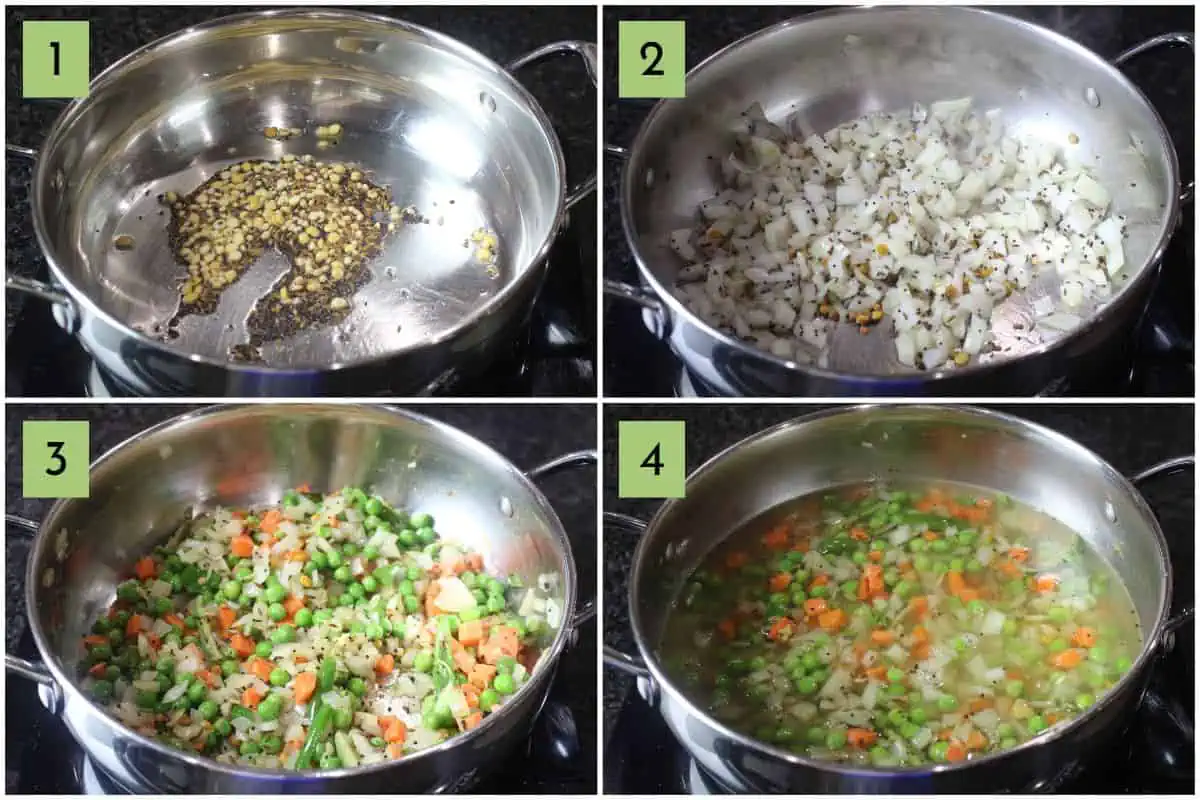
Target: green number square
[650,458]
[650,59]
[55,59]
[55,458]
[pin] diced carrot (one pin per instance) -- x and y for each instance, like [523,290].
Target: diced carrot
[727,627]
[882,637]
[875,555]
[251,698]
[777,537]
[96,670]
[395,732]
[801,546]
[385,664]
[506,636]
[270,521]
[145,568]
[177,621]
[815,606]
[820,579]
[261,669]
[300,659]
[921,651]
[395,750]
[945,734]
[859,534]
[463,660]
[481,676]
[1019,554]
[780,582]
[474,562]
[303,488]
[207,676]
[293,603]
[473,720]
[980,704]
[736,560]
[861,738]
[968,594]
[296,555]
[873,573]
[956,752]
[226,616]
[919,634]
[780,629]
[241,645]
[470,632]
[242,546]
[431,607]
[1009,569]
[919,606]
[1014,674]
[1084,637]
[1052,718]
[879,673]
[133,626]
[833,620]
[1067,659]
[200,744]
[95,639]
[929,536]
[154,641]
[304,686]
[985,503]
[976,741]
[1045,583]
[955,583]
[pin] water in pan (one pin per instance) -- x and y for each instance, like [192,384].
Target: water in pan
[897,626]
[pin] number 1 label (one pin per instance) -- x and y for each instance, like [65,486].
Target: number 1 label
[650,59]
[55,59]
[650,458]
[54,458]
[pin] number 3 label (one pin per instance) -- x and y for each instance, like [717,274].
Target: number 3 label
[650,458]
[650,59]
[54,459]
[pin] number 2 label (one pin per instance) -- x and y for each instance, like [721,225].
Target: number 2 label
[650,458]
[650,59]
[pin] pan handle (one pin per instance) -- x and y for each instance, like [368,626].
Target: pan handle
[24,668]
[579,458]
[613,658]
[1170,466]
[586,51]
[35,288]
[1174,39]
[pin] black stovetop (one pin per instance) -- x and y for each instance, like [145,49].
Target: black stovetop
[1158,360]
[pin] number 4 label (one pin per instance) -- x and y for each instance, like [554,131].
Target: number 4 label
[650,59]
[54,458]
[650,458]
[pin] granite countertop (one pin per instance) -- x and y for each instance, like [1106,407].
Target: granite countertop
[633,358]
[502,34]
[1129,437]
[524,434]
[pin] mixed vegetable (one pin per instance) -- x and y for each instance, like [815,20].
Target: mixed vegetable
[890,628]
[328,631]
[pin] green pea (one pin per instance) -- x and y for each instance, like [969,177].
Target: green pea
[1058,615]
[420,520]
[423,661]
[304,618]
[263,649]
[1122,665]
[1037,724]
[918,715]
[275,593]
[1057,645]
[503,683]
[330,761]
[229,667]
[197,692]
[279,677]
[272,745]
[411,603]
[488,699]
[976,607]
[947,703]
[1084,700]
[806,685]
[819,591]
[373,507]
[283,634]
[209,710]
[895,675]
[232,589]
[495,604]
[277,612]
[938,750]
[835,740]
[223,727]
[939,546]
[1099,654]
[374,631]
[426,536]
[249,748]
[343,574]
[334,558]
[147,699]
[1014,688]
[103,690]
[269,707]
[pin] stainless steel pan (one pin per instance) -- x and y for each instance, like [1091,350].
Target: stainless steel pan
[446,129]
[833,448]
[822,69]
[251,455]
